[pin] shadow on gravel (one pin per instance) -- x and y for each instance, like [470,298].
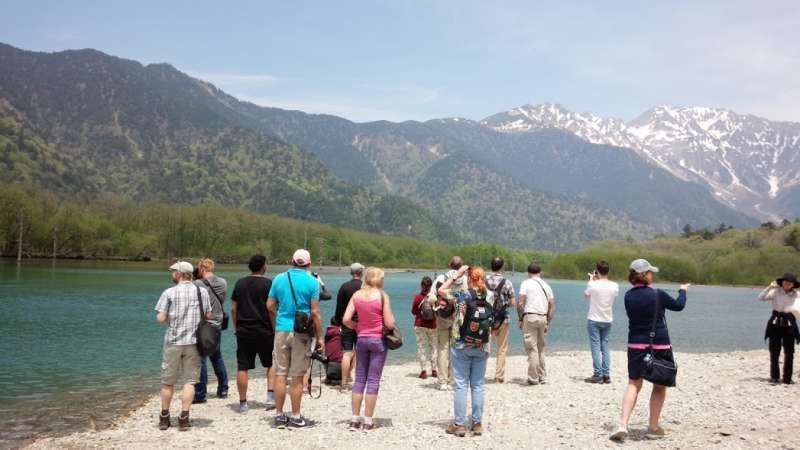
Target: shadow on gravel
[379,423]
[254,406]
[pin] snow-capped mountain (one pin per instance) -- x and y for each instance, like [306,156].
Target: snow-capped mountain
[749,163]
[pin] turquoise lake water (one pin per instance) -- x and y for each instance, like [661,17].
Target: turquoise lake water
[79,339]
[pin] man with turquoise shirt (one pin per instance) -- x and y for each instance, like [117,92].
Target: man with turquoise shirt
[293,300]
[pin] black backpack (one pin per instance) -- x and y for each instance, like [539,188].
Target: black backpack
[478,319]
[499,313]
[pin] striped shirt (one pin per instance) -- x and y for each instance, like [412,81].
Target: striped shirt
[180,304]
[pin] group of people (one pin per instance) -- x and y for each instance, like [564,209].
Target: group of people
[458,316]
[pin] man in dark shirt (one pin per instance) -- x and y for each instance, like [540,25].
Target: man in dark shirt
[348,336]
[255,334]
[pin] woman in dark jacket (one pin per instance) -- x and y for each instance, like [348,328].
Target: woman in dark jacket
[640,304]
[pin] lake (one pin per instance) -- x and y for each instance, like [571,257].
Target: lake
[79,340]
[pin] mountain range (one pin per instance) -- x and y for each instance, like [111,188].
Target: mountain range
[747,162]
[89,124]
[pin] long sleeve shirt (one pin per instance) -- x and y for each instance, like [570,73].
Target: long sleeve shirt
[640,302]
[781,300]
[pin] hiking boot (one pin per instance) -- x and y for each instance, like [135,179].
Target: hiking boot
[199,400]
[223,393]
[458,430]
[163,422]
[243,407]
[477,429]
[434,373]
[788,382]
[774,381]
[619,435]
[423,374]
[368,426]
[183,423]
[606,380]
[299,422]
[596,379]
[354,426]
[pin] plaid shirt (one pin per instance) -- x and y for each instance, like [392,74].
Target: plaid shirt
[180,304]
[506,294]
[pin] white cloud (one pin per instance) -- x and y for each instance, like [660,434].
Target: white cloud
[346,107]
[235,79]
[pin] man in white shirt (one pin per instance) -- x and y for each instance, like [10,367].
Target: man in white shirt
[601,293]
[536,308]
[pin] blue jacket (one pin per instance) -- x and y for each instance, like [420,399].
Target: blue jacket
[639,304]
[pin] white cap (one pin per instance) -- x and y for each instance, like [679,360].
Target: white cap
[301,258]
[181,267]
[642,266]
[356,267]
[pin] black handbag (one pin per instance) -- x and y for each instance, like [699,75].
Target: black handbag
[658,370]
[392,338]
[302,322]
[207,334]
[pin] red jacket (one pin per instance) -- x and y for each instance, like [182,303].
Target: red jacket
[418,322]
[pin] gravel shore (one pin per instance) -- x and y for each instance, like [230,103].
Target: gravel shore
[723,400]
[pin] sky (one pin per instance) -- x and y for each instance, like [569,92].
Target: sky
[418,60]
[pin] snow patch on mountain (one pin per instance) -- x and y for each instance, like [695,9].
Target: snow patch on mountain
[746,161]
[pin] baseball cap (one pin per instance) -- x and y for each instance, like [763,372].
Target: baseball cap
[356,267]
[182,267]
[301,257]
[642,266]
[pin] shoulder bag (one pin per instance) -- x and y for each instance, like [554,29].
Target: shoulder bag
[302,322]
[207,334]
[658,370]
[392,338]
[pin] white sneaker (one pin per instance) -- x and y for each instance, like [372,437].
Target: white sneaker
[444,387]
[620,434]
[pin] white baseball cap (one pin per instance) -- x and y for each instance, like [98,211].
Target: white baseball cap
[301,258]
[181,267]
[356,267]
[642,266]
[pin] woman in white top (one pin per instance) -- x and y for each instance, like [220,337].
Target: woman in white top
[782,325]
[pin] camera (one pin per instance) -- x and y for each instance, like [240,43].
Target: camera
[319,356]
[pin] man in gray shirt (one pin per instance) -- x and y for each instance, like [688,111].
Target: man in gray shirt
[217,289]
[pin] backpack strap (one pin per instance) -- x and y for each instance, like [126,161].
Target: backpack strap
[205,281]
[291,288]
[200,303]
[655,322]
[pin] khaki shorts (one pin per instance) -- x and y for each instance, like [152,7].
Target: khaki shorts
[180,358]
[291,356]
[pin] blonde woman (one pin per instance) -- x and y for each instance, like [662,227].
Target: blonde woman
[374,312]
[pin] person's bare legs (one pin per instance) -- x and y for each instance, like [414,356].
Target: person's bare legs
[347,358]
[187,395]
[656,405]
[296,393]
[629,401]
[369,407]
[356,404]
[280,393]
[242,379]
[270,379]
[166,396]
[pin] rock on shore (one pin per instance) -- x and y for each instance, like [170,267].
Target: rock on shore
[723,400]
